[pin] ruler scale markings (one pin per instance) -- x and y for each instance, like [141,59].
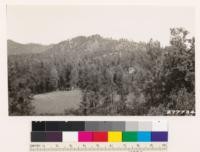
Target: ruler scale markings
[107,147]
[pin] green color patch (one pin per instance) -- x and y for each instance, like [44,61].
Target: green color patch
[129,136]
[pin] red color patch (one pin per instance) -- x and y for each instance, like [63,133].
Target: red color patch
[100,136]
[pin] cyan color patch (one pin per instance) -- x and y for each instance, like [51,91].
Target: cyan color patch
[144,136]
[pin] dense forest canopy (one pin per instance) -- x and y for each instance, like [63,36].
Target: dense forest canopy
[116,77]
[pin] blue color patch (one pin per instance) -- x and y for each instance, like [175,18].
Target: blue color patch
[144,136]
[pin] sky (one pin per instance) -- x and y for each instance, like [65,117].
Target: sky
[47,24]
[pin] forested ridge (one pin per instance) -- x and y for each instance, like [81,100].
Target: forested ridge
[15,48]
[116,77]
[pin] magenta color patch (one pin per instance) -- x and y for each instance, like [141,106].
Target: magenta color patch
[84,136]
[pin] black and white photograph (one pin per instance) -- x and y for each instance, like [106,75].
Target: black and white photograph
[101,60]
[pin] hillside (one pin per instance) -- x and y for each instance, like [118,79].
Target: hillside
[15,48]
[91,44]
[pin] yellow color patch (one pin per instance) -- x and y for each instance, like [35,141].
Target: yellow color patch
[114,136]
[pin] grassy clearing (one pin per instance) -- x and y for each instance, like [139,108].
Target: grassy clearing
[56,102]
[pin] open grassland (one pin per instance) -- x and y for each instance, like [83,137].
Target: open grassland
[56,102]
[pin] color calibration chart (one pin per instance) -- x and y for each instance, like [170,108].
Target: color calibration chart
[129,136]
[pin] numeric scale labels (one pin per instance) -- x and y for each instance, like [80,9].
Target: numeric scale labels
[130,136]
